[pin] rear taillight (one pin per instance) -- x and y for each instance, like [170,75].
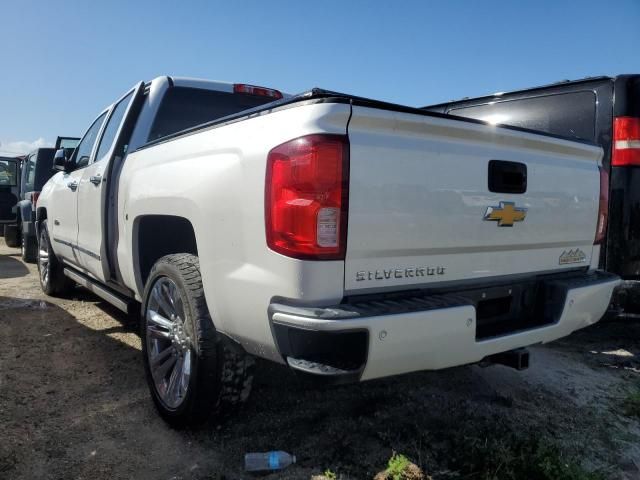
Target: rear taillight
[603,207]
[254,90]
[626,142]
[34,198]
[306,197]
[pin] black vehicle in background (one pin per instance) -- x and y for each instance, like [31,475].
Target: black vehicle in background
[36,170]
[604,110]
[9,191]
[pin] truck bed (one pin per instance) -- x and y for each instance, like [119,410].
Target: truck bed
[320,95]
[419,193]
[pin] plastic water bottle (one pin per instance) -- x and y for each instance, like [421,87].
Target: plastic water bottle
[267,461]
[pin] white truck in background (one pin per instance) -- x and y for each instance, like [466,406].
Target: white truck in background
[347,238]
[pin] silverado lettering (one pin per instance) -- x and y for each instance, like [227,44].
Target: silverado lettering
[410,272]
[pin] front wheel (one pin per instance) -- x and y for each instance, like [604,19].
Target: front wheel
[192,371]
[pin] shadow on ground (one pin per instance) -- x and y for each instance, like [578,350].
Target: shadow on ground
[11,267]
[613,344]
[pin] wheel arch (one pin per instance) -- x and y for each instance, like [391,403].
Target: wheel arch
[41,214]
[155,236]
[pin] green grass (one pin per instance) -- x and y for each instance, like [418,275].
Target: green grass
[397,466]
[329,474]
[509,457]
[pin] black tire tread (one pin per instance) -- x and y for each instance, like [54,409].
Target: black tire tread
[228,373]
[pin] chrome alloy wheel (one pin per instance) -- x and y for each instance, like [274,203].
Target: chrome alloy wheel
[168,339]
[43,258]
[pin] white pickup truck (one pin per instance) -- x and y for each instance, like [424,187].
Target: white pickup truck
[347,238]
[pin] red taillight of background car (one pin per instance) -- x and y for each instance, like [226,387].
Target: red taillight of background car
[626,142]
[603,207]
[306,197]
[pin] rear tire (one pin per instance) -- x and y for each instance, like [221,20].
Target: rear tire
[29,249]
[12,236]
[52,278]
[193,372]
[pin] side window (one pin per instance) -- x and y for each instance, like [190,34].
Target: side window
[30,173]
[570,115]
[84,148]
[113,125]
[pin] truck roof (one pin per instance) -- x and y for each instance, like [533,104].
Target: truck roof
[205,84]
[41,149]
[539,87]
[201,83]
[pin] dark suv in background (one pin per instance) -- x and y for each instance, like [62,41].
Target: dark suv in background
[9,191]
[604,110]
[36,170]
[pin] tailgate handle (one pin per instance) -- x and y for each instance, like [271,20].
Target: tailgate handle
[507,177]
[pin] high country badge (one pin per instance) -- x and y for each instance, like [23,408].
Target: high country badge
[572,256]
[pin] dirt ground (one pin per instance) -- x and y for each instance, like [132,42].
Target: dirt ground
[74,405]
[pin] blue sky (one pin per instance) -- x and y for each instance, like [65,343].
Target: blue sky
[63,61]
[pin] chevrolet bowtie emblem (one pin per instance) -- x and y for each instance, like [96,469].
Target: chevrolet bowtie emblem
[506,214]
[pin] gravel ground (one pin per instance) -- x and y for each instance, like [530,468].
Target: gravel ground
[74,404]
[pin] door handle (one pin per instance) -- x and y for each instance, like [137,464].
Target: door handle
[73,186]
[95,179]
[507,177]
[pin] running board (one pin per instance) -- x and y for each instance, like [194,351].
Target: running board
[119,301]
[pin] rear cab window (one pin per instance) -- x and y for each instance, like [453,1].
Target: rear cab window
[571,115]
[186,107]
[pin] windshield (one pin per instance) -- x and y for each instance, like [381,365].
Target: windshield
[8,173]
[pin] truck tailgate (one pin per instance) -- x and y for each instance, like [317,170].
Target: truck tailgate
[421,211]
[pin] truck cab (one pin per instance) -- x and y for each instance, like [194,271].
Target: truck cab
[84,208]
